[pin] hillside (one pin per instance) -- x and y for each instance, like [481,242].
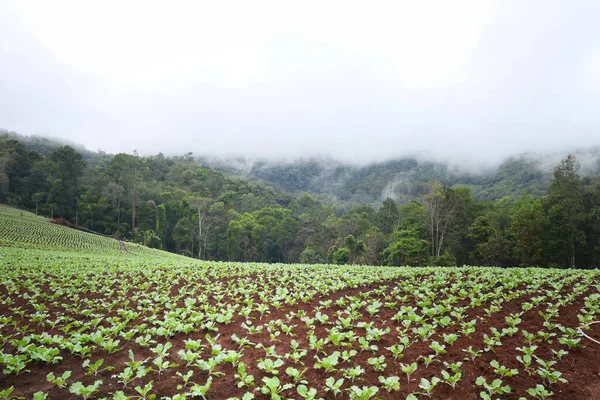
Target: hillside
[402,179]
[24,230]
[349,185]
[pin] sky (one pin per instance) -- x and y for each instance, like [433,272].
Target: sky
[471,81]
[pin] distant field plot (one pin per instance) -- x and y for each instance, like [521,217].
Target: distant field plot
[23,229]
[105,324]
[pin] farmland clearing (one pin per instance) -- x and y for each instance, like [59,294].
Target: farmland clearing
[81,319]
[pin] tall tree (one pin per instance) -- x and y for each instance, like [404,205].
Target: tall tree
[284,233]
[201,205]
[69,169]
[528,227]
[372,242]
[242,231]
[355,248]
[161,224]
[114,193]
[441,208]
[565,210]
[387,216]
[123,170]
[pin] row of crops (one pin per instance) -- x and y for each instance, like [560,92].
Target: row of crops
[26,230]
[100,326]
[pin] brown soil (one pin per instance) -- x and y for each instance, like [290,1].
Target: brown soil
[580,367]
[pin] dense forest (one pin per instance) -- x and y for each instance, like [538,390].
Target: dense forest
[347,185]
[311,213]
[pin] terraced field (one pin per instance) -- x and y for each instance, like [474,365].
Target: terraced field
[104,324]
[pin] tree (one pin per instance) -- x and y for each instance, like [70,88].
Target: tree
[40,181]
[53,207]
[413,213]
[357,222]
[372,243]
[219,218]
[304,205]
[479,232]
[441,207]
[201,205]
[341,256]
[15,164]
[274,232]
[37,198]
[312,256]
[387,216]
[284,233]
[355,248]
[123,170]
[242,231]
[496,250]
[528,227]
[565,211]
[69,169]
[489,238]
[114,193]
[458,241]
[161,224]
[406,248]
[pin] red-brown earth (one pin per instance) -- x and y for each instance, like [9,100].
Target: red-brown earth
[581,366]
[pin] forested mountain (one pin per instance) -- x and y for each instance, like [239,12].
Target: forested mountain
[403,212]
[402,179]
[346,185]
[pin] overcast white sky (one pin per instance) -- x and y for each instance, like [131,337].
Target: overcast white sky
[362,81]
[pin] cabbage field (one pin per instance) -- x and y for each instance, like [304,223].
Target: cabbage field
[83,320]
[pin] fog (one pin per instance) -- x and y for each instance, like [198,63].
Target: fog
[469,81]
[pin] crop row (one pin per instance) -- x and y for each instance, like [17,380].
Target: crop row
[25,230]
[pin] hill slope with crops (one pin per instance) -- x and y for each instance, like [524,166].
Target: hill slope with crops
[25,230]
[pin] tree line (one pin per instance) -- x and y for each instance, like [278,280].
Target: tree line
[180,205]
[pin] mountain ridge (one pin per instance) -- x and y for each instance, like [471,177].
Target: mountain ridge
[402,178]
